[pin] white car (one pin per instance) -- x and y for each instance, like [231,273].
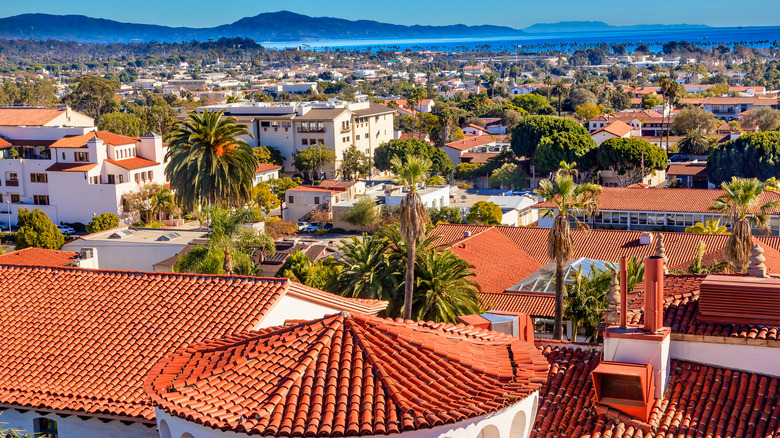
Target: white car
[66,230]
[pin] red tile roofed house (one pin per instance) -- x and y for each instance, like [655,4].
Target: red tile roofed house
[481,249]
[72,172]
[44,117]
[78,342]
[266,172]
[39,257]
[350,375]
[727,108]
[647,209]
[616,129]
[477,143]
[688,175]
[302,200]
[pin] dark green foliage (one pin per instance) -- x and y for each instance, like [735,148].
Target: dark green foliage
[442,164]
[37,230]
[364,213]
[550,140]
[450,215]
[355,164]
[485,213]
[101,222]
[624,157]
[755,155]
[533,104]
[94,96]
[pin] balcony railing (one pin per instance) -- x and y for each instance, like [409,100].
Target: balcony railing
[302,129]
[10,183]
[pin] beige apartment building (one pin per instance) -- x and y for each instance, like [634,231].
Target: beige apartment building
[295,125]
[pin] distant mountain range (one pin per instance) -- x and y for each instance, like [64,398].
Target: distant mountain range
[272,26]
[595,26]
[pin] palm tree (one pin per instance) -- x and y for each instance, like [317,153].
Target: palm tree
[567,197]
[367,270]
[560,91]
[712,226]
[670,89]
[740,205]
[699,267]
[445,288]
[162,202]
[548,84]
[209,163]
[694,143]
[413,99]
[413,215]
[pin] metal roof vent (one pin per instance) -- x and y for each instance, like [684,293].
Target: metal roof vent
[168,237]
[121,234]
[732,299]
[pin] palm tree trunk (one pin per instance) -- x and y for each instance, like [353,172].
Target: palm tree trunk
[409,283]
[558,327]
[228,264]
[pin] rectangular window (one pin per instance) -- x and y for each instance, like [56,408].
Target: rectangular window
[15,198]
[149,174]
[121,179]
[81,156]
[40,200]
[290,199]
[304,142]
[312,141]
[317,200]
[111,179]
[13,176]
[642,218]
[39,178]
[63,155]
[138,177]
[357,137]
[670,220]
[45,426]
[94,180]
[265,124]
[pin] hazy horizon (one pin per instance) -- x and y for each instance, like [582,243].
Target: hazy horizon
[200,13]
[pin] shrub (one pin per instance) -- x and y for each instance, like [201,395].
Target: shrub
[37,230]
[101,222]
[278,228]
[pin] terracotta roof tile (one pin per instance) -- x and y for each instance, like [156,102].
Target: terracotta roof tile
[471,142]
[71,167]
[4,143]
[102,331]
[617,128]
[28,116]
[610,245]
[532,303]
[132,163]
[483,249]
[700,400]
[681,305]
[78,141]
[38,257]
[692,169]
[263,167]
[346,375]
[477,157]
[662,200]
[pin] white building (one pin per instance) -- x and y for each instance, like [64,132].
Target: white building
[266,172]
[293,126]
[516,210]
[432,197]
[56,161]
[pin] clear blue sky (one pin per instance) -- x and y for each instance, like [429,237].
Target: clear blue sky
[513,13]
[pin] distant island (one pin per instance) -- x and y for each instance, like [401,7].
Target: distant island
[271,26]
[596,26]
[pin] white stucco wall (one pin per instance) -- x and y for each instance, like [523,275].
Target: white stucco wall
[755,356]
[74,427]
[294,308]
[128,256]
[514,421]
[642,351]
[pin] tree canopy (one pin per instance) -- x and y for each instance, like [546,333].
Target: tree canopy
[550,140]
[37,230]
[94,96]
[485,213]
[309,160]
[624,156]
[765,118]
[754,155]
[384,154]
[694,119]
[101,222]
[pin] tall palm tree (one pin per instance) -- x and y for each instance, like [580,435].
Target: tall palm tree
[413,215]
[567,198]
[560,91]
[694,142]
[209,164]
[445,287]
[548,84]
[740,205]
[367,271]
[162,202]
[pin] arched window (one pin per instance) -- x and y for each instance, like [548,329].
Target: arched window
[187,435]
[45,426]
[165,431]
[489,432]
[519,427]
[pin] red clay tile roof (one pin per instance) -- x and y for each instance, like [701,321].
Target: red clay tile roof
[610,245]
[531,303]
[28,116]
[471,142]
[477,157]
[71,167]
[38,257]
[4,143]
[616,128]
[662,200]
[498,263]
[692,169]
[82,340]
[681,305]
[132,163]
[262,167]
[346,375]
[78,141]
[701,401]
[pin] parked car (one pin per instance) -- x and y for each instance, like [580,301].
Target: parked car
[676,158]
[328,227]
[3,227]
[302,225]
[312,227]
[66,230]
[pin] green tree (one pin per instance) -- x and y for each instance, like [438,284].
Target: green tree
[121,123]
[94,96]
[355,164]
[509,175]
[209,163]
[37,230]
[467,171]
[713,226]
[650,100]
[264,197]
[269,155]
[765,118]
[587,111]
[158,115]
[413,217]
[367,269]
[364,213]
[558,139]
[485,213]
[385,153]
[561,90]
[309,160]
[445,287]
[754,155]
[694,119]
[230,247]
[101,222]
[533,104]
[694,143]
[624,157]
[279,186]
[699,267]
[740,204]
[448,215]
[299,268]
[567,198]
[162,202]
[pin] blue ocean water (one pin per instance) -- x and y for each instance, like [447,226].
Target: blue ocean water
[753,36]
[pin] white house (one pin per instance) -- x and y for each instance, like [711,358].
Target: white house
[301,201]
[432,197]
[613,130]
[516,210]
[56,161]
[472,144]
[266,172]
